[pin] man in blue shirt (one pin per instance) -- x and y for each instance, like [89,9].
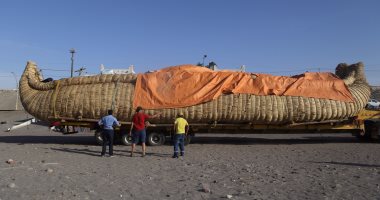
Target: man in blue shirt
[107,123]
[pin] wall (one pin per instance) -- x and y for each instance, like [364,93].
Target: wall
[8,99]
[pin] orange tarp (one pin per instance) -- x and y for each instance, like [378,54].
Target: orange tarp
[188,85]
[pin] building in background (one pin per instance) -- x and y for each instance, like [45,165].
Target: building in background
[214,66]
[9,100]
[130,70]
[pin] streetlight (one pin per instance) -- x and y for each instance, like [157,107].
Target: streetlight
[14,75]
[203,62]
[72,51]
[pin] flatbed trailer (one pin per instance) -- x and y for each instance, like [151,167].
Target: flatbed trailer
[366,125]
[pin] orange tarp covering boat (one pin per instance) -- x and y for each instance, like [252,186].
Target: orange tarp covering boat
[188,85]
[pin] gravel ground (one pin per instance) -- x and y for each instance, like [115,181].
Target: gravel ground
[48,165]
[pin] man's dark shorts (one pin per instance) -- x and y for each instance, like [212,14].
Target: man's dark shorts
[138,136]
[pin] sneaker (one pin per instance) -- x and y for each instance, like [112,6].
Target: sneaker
[175,156]
[182,154]
[102,155]
[111,156]
[131,155]
[143,155]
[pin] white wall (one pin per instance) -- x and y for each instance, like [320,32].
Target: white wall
[8,99]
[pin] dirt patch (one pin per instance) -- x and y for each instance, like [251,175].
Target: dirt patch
[47,165]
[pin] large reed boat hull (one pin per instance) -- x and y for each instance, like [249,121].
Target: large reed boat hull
[89,98]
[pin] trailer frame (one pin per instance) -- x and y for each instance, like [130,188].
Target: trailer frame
[365,126]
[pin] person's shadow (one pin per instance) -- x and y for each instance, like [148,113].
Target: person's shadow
[347,163]
[78,151]
[89,152]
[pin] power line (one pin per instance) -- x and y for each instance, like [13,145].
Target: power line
[53,76]
[58,70]
[331,69]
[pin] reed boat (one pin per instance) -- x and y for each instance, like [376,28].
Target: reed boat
[88,99]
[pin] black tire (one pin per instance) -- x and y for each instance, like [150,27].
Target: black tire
[155,139]
[98,137]
[126,139]
[188,139]
[367,134]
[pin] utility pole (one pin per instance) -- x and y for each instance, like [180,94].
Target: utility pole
[80,71]
[203,62]
[14,74]
[72,51]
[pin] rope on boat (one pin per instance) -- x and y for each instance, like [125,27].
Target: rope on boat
[55,98]
[114,94]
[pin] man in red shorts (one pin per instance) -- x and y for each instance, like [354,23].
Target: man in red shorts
[137,131]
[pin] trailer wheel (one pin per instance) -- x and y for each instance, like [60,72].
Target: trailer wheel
[126,139]
[156,139]
[370,132]
[188,138]
[98,137]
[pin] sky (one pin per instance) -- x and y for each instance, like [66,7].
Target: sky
[269,36]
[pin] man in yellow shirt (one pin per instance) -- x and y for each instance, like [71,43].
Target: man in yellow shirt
[181,128]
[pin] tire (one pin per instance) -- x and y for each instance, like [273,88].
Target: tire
[367,135]
[155,139]
[126,139]
[98,137]
[188,139]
